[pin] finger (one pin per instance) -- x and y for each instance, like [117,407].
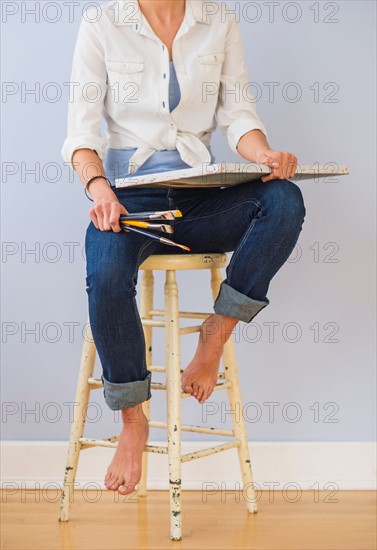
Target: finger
[273,175]
[114,219]
[268,178]
[106,217]
[274,163]
[99,215]
[93,217]
[289,168]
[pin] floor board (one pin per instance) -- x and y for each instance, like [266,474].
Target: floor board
[100,520]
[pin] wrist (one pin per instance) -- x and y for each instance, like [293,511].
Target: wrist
[252,145]
[99,189]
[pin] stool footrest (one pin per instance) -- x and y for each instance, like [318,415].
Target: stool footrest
[152,323]
[192,428]
[210,450]
[183,314]
[161,449]
[96,383]
[87,442]
[160,368]
[161,324]
[189,330]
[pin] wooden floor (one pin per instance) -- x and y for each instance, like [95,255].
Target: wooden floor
[345,520]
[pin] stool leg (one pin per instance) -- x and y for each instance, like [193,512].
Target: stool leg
[146,304]
[235,401]
[88,357]
[173,396]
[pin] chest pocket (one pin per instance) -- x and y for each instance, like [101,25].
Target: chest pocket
[125,78]
[210,65]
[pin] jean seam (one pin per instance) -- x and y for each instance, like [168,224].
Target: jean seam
[220,212]
[137,315]
[239,246]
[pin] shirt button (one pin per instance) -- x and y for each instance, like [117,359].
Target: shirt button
[163,104]
[164,75]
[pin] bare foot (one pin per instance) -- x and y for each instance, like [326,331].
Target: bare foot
[125,469]
[200,376]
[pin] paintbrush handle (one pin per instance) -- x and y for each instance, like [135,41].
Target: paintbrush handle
[145,216]
[163,240]
[165,228]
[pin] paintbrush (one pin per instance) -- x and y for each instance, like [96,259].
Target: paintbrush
[162,240]
[159,215]
[165,228]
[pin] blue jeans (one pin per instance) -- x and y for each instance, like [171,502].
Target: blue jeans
[260,222]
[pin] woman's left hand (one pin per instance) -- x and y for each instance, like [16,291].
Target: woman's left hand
[282,163]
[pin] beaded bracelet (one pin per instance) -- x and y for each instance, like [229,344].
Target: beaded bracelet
[90,181]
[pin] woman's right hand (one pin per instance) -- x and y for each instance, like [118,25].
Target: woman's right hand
[107,209]
[106,212]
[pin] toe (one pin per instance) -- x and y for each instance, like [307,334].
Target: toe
[126,488]
[196,389]
[200,394]
[188,389]
[115,483]
[207,394]
[110,480]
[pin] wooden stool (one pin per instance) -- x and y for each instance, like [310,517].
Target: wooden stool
[228,377]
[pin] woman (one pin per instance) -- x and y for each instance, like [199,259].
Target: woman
[163,73]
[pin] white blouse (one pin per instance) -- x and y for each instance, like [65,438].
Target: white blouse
[120,71]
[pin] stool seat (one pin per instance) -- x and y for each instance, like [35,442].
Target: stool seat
[184,261]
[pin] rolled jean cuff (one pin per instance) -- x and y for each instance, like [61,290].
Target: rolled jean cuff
[235,304]
[127,394]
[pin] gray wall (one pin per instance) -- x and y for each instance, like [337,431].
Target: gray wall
[318,368]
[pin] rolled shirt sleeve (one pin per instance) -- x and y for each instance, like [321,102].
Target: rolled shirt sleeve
[236,111]
[87,91]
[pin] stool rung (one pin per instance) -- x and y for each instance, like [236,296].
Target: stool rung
[161,324]
[210,450]
[86,442]
[191,428]
[183,314]
[221,386]
[96,383]
[152,323]
[162,449]
[158,386]
[159,368]
[189,330]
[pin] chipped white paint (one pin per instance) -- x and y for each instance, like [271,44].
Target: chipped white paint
[173,405]
[210,450]
[147,288]
[191,428]
[171,315]
[235,397]
[88,357]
